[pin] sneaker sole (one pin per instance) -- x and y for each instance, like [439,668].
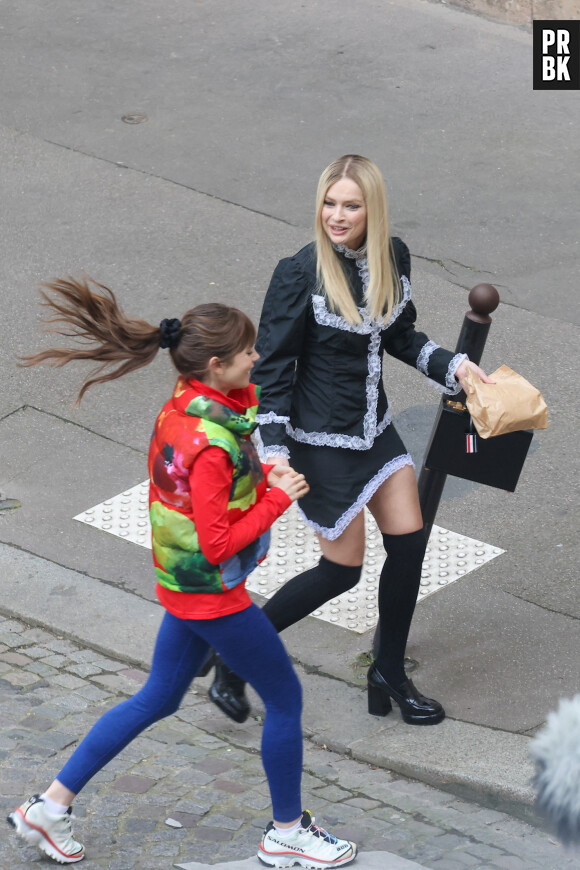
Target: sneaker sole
[281,861]
[37,837]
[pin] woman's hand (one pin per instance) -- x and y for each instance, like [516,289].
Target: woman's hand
[277,459]
[293,484]
[464,368]
[276,473]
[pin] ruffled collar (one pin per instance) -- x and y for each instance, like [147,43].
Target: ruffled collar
[352,255]
[236,411]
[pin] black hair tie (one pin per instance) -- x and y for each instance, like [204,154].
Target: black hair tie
[169,332]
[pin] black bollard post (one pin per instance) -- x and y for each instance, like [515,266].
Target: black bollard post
[483,299]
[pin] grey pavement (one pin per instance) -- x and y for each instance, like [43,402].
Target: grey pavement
[244,105]
[190,792]
[364,861]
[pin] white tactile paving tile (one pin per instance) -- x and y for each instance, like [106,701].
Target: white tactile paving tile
[294,548]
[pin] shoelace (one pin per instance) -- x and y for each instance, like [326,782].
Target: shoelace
[65,826]
[320,832]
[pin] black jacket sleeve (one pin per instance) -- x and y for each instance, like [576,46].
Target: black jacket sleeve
[279,343]
[402,341]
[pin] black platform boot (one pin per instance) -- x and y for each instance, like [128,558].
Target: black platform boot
[416,709]
[228,692]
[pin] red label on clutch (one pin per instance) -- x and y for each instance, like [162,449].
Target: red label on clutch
[470,442]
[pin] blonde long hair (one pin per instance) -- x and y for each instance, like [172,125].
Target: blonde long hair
[383,290]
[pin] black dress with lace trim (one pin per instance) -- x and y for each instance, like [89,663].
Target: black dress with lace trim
[323,403]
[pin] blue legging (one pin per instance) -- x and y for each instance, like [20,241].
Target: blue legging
[248,644]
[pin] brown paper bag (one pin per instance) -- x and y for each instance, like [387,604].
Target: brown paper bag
[510,404]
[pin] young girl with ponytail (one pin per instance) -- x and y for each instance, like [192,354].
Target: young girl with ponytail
[212,503]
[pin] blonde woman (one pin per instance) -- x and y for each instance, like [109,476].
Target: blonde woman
[330,313]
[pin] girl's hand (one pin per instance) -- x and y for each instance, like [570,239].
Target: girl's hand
[293,484]
[276,473]
[465,366]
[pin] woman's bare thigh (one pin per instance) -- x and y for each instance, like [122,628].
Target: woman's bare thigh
[395,505]
[349,547]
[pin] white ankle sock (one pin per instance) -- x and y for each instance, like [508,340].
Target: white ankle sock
[285,831]
[53,808]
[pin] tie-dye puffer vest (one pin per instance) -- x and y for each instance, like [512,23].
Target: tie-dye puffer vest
[188,424]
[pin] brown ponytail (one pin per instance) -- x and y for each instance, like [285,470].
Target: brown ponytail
[208,330]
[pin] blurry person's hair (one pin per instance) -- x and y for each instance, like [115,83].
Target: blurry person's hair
[556,752]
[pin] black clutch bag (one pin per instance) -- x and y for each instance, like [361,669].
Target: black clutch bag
[456,449]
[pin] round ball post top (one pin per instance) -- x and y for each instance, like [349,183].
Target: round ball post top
[483,299]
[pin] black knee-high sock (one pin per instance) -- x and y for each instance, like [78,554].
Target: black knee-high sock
[398,590]
[310,590]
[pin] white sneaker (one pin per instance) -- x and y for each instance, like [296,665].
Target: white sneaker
[52,834]
[309,846]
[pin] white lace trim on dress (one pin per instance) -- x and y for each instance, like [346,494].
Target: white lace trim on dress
[424,356]
[270,450]
[270,417]
[352,255]
[336,439]
[327,318]
[372,428]
[403,301]
[369,490]
[452,385]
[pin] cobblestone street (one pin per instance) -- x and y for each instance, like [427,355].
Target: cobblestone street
[205,775]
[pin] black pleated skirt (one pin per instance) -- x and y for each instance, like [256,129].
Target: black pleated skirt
[343,480]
